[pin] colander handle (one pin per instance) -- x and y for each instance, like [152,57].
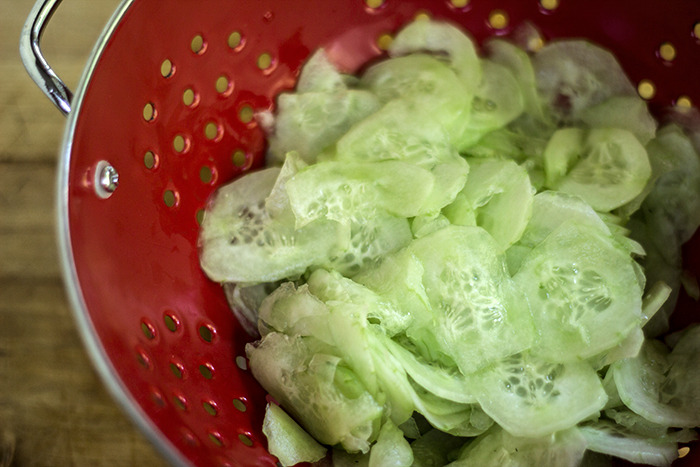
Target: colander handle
[34,61]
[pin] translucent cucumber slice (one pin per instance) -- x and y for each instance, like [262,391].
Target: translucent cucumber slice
[287,305]
[240,243]
[478,317]
[498,448]
[514,58]
[629,347]
[319,75]
[441,38]
[636,423]
[447,383]
[675,198]
[277,203]
[583,293]
[311,122]
[245,303]
[530,397]
[464,420]
[552,208]
[287,441]
[625,112]
[573,75]
[563,150]
[339,191]
[497,102]
[306,385]
[608,438]
[427,224]
[332,286]
[613,170]
[371,238]
[391,448]
[400,130]
[342,458]
[418,77]
[499,194]
[656,385]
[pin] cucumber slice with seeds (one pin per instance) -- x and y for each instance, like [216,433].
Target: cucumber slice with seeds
[583,293]
[531,397]
[240,243]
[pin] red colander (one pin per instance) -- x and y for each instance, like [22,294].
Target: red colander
[164,113]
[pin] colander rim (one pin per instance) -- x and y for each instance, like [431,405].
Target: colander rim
[96,351]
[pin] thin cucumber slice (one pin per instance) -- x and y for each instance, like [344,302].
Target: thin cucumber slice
[478,317]
[612,170]
[498,448]
[371,238]
[306,385]
[550,209]
[629,347]
[451,417]
[319,75]
[583,293]
[497,102]
[240,243]
[418,77]
[573,75]
[441,38]
[519,63]
[660,387]
[287,441]
[608,438]
[391,448]
[563,150]
[626,112]
[339,191]
[501,197]
[447,383]
[427,224]
[636,423]
[530,397]
[342,458]
[311,122]
[245,303]
[332,286]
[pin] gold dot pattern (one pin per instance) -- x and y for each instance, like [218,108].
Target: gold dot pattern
[235,40]
[459,3]
[549,4]
[684,101]
[498,19]
[667,51]
[646,89]
[384,41]
[374,3]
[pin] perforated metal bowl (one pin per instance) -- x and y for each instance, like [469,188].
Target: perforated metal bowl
[164,114]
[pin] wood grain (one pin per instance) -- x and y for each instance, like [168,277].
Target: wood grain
[54,409]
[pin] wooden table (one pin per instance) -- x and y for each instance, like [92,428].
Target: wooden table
[51,401]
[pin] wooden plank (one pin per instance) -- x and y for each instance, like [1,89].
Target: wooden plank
[50,398]
[27,197]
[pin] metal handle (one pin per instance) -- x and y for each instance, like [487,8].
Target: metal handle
[34,61]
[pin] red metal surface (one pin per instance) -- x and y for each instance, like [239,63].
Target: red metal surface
[136,258]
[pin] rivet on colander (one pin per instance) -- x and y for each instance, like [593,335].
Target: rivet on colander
[106,179]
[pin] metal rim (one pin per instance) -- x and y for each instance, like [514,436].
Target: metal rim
[94,347]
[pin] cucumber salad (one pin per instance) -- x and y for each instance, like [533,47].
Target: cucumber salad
[466,256]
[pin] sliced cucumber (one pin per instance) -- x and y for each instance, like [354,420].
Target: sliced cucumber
[550,209]
[608,438]
[573,75]
[441,38]
[240,243]
[519,63]
[319,75]
[478,317]
[287,441]
[626,112]
[433,448]
[305,385]
[583,293]
[498,448]
[660,387]
[391,448]
[339,191]
[500,196]
[497,101]
[607,170]
[530,397]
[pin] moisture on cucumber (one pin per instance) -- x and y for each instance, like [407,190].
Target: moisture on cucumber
[464,256]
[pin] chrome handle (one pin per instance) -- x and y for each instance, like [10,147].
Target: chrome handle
[34,61]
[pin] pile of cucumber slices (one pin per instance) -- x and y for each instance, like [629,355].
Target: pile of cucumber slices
[466,257]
